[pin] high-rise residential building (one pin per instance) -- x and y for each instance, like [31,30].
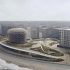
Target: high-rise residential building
[35,32]
[65,37]
[28,36]
[44,32]
[40,35]
[55,33]
[50,33]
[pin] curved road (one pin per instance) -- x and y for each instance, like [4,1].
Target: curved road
[32,63]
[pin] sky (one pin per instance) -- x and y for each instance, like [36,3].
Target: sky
[34,10]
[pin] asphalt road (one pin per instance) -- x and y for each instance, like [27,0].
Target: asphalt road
[32,63]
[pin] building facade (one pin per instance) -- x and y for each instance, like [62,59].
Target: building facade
[65,38]
[35,33]
[50,33]
[5,27]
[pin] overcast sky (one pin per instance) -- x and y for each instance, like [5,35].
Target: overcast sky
[35,10]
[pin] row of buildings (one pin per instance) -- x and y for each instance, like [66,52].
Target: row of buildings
[43,32]
[4,28]
[62,34]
